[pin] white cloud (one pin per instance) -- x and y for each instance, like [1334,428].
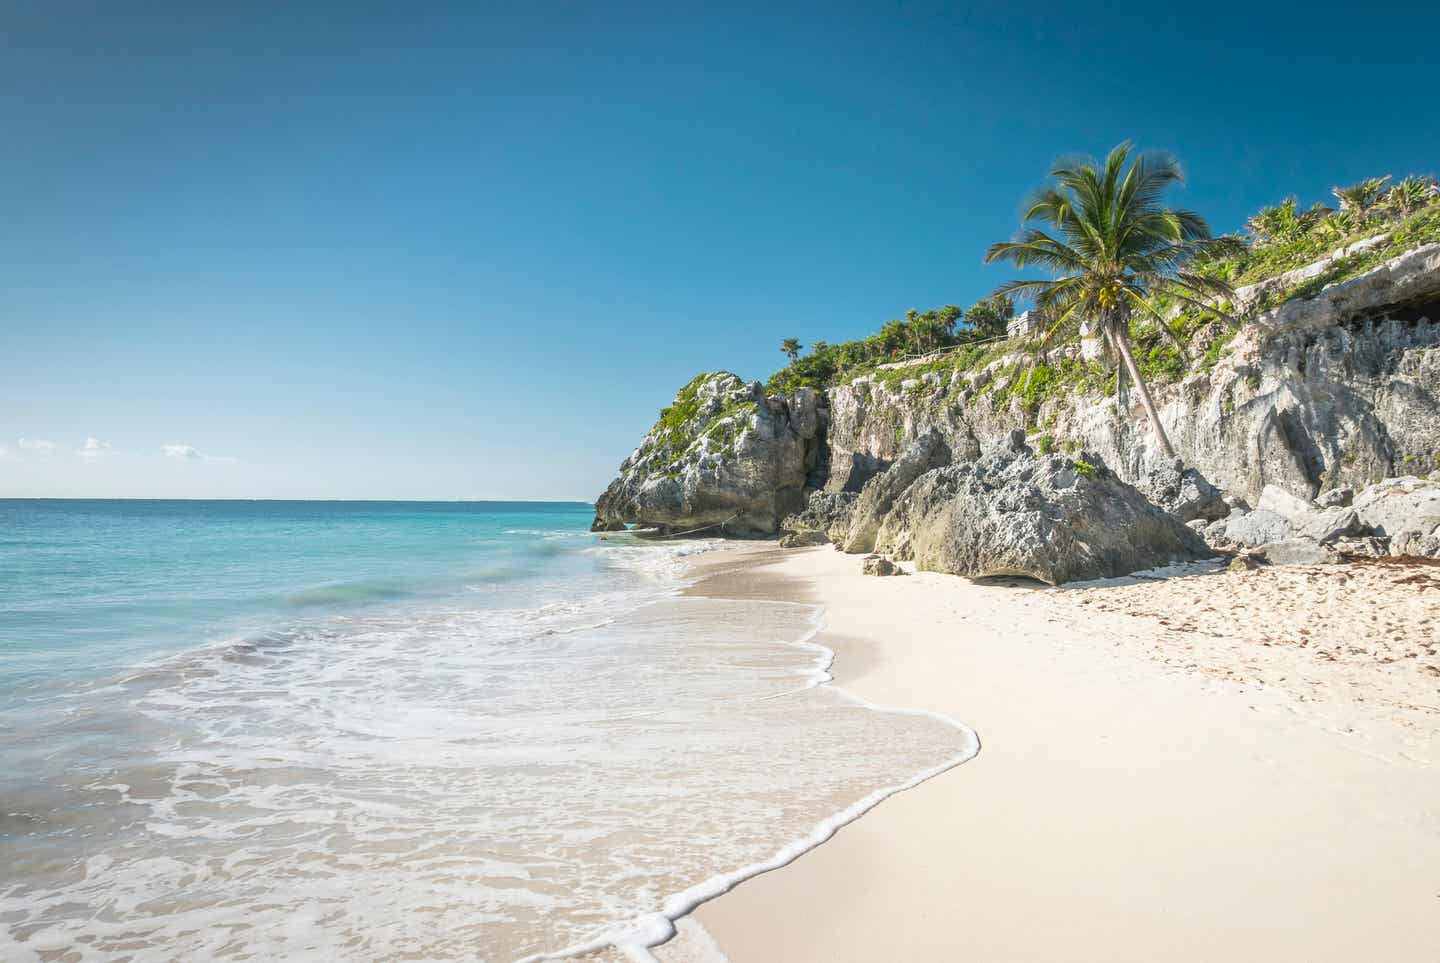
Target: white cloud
[191,453]
[37,444]
[93,448]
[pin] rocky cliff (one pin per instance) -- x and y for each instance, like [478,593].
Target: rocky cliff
[1316,393]
[722,457]
[1322,388]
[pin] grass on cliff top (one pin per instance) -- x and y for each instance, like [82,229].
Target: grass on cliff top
[1415,231]
[679,429]
[1159,360]
[1262,262]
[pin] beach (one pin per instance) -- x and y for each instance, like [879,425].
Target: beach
[1211,765]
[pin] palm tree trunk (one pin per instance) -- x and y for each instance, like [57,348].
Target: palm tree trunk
[1123,345]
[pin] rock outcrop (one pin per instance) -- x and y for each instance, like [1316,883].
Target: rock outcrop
[880,565]
[879,494]
[1336,390]
[1407,511]
[723,458]
[826,514]
[1046,517]
[1311,400]
[1397,516]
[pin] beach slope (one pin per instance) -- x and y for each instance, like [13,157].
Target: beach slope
[1153,784]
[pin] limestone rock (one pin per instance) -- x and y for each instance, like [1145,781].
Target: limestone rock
[1398,504]
[1257,528]
[1244,563]
[1183,492]
[1313,396]
[880,565]
[876,498]
[1046,517]
[1294,509]
[803,539]
[1332,523]
[1423,539]
[723,458]
[825,512]
[1297,551]
[1367,546]
[607,525]
[1341,497]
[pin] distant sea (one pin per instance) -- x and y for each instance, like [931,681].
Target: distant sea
[386,730]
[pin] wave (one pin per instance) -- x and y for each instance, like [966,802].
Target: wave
[342,593]
[429,782]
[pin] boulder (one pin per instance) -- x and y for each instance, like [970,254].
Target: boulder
[607,525]
[1184,493]
[1257,528]
[1332,523]
[927,451]
[1297,551]
[825,512]
[1395,505]
[1294,509]
[1045,517]
[723,458]
[880,565]
[1244,563]
[1422,540]
[1340,497]
[1365,546]
[803,539]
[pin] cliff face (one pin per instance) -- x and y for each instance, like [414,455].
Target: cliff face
[723,457]
[1338,389]
[1311,395]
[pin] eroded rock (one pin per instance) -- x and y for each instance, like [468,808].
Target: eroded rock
[926,452]
[723,458]
[880,565]
[1051,518]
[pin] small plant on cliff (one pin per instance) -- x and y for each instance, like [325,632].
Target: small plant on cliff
[1360,199]
[791,347]
[1114,247]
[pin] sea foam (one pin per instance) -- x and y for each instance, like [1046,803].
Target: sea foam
[500,784]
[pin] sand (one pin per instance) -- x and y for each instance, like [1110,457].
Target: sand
[1214,766]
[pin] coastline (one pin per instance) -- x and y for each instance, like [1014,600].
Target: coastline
[1141,794]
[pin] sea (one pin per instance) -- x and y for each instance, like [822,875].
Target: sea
[269,730]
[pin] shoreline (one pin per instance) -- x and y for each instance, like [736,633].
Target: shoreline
[1132,800]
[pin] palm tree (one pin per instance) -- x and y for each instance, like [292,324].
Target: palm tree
[1409,195]
[1360,199]
[791,347]
[1114,247]
[1285,222]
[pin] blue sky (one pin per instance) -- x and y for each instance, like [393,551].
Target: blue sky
[469,250]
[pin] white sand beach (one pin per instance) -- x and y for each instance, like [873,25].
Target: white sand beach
[1226,766]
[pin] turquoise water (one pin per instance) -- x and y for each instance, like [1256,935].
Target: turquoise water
[377,731]
[90,587]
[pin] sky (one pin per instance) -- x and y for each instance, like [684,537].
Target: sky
[455,251]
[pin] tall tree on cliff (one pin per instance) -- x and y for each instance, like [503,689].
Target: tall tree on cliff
[791,347]
[1112,247]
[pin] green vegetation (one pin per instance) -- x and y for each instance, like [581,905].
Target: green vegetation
[1083,468]
[917,334]
[1166,302]
[1121,249]
[681,428]
[1282,240]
